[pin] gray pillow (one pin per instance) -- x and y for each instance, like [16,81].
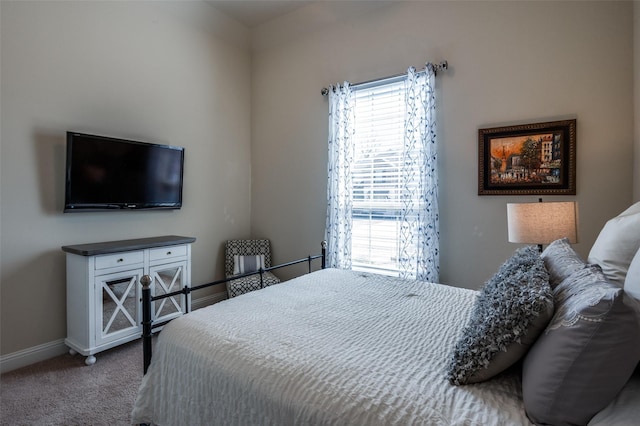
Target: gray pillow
[561,260]
[587,353]
[511,310]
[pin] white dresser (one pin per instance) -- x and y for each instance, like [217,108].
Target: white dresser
[103,289]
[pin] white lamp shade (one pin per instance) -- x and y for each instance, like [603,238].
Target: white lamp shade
[541,223]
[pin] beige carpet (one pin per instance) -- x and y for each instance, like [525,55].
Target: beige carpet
[64,391]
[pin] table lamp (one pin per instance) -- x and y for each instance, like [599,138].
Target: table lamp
[542,223]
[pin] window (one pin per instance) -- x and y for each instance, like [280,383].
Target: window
[382,205]
[379,113]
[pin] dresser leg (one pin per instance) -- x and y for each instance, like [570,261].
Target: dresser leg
[90,360]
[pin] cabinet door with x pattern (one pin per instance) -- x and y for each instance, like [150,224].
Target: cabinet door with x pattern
[118,312]
[168,278]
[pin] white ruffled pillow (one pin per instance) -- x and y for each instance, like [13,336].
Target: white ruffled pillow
[510,312]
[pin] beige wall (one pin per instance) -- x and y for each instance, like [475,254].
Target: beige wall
[153,71]
[511,62]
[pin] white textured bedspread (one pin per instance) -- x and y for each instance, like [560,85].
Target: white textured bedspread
[329,348]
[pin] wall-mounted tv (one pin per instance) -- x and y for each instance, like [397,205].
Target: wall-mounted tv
[104,173]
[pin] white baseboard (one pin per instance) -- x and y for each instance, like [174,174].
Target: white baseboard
[32,355]
[45,351]
[201,302]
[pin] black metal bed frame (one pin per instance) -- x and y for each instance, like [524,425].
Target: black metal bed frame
[148,325]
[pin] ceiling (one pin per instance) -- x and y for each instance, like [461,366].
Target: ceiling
[252,13]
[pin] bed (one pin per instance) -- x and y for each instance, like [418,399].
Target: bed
[338,347]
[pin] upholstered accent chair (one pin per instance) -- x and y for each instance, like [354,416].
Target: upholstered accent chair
[243,256]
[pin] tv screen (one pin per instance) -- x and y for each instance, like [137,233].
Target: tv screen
[104,173]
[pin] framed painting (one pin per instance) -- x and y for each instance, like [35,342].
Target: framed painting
[528,159]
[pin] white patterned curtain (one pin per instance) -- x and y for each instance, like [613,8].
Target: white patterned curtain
[419,234]
[339,184]
[420,231]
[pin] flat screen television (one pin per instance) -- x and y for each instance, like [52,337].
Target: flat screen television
[104,173]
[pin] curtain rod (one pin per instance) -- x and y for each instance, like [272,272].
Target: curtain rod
[442,66]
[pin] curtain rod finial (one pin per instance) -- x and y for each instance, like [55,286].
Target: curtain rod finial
[324,91]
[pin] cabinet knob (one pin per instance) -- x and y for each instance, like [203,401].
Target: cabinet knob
[120,260]
[168,253]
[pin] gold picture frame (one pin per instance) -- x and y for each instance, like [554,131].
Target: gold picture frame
[528,159]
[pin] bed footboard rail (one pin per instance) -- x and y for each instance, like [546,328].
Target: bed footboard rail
[147,299]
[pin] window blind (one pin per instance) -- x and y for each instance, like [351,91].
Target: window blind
[377,179]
